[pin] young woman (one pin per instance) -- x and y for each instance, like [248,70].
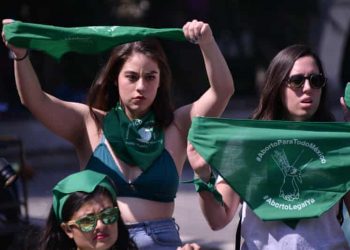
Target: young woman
[129,130]
[294,90]
[85,215]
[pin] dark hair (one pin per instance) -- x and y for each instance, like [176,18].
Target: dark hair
[104,94]
[54,238]
[270,105]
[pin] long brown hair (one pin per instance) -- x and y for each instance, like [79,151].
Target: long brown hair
[270,105]
[103,94]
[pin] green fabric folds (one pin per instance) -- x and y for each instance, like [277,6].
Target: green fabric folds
[56,41]
[137,142]
[283,170]
[83,181]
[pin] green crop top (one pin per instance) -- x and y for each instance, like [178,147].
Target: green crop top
[158,183]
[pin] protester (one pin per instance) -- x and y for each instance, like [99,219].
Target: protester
[129,129]
[85,215]
[294,90]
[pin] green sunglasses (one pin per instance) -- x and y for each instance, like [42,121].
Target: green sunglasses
[88,223]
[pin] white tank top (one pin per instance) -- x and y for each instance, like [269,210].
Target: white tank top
[323,233]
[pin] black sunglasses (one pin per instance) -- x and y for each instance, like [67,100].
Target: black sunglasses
[316,81]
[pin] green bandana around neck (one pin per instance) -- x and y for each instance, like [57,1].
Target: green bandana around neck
[283,170]
[138,142]
[56,41]
[83,181]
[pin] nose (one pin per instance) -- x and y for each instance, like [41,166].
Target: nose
[307,85]
[140,85]
[99,224]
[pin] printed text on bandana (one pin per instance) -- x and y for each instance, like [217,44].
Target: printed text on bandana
[291,156]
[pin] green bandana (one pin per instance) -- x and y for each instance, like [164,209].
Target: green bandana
[57,41]
[138,142]
[283,170]
[83,181]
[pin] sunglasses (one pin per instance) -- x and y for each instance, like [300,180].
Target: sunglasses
[316,81]
[88,223]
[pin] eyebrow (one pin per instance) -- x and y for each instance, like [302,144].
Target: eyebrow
[152,72]
[148,73]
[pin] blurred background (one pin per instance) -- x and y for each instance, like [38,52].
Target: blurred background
[249,34]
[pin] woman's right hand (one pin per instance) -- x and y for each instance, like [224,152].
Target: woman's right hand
[17,52]
[198,164]
[190,246]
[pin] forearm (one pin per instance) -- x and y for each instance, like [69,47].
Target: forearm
[219,215]
[62,118]
[27,83]
[215,213]
[218,72]
[218,211]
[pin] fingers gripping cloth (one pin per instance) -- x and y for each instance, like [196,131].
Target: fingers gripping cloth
[200,186]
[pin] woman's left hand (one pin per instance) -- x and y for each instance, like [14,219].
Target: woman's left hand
[198,32]
[345,109]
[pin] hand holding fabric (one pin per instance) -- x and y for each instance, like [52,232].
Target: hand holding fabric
[198,32]
[17,52]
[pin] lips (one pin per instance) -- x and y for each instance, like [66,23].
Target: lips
[139,98]
[306,100]
[101,236]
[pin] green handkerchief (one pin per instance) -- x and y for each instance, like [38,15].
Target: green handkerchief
[57,41]
[284,170]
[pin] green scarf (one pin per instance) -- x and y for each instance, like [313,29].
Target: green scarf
[83,181]
[283,170]
[138,142]
[57,41]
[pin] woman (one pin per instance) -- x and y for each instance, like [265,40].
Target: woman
[85,215]
[141,142]
[294,90]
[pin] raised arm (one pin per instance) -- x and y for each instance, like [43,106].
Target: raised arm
[63,118]
[214,101]
[216,214]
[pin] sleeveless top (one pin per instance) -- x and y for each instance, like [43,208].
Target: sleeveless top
[159,182]
[323,233]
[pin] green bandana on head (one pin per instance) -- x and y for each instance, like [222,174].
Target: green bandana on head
[283,170]
[57,41]
[83,181]
[138,142]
